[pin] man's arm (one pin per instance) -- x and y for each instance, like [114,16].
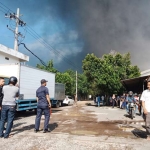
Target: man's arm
[37,99]
[48,99]
[143,104]
[1,97]
[144,108]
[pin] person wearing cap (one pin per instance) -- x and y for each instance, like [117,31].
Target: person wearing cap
[145,98]
[43,105]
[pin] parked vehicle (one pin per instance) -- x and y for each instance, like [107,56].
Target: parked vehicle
[29,80]
[68,100]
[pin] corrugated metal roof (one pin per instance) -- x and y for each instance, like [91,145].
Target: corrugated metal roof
[135,84]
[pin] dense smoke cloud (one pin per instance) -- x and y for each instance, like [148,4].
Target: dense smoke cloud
[100,26]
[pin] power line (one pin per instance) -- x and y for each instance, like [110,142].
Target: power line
[43,42]
[2,11]
[6,7]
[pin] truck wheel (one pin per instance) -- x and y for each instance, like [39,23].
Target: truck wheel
[57,105]
[35,110]
[131,114]
[60,104]
[68,103]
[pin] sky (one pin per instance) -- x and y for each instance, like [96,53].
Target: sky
[73,28]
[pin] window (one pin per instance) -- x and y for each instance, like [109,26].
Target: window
[6,81]
[6,58]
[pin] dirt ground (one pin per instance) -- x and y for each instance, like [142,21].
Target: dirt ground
[78,128]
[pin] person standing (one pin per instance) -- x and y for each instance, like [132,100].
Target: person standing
[113,100]
[102,98]
[43,105]
[118,101]
[123,101]
[98,101]
[136,97]
[11,92]
[2,82]
[145,98]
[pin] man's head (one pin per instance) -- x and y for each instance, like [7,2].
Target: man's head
[148,83]
[13,80]
[2,81]
[130,93]
[135,94]
[44,82]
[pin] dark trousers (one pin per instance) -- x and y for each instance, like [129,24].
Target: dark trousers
[46,111]
[114,102]
[7,114]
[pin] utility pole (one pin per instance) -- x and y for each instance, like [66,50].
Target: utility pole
[19,22]
[76,85]
[16,31]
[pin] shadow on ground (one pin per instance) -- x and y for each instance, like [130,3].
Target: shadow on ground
[139,133]
[52,127]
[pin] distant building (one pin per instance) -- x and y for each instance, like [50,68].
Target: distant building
[8,56]
[145,73]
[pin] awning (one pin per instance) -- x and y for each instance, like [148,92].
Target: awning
[135,84]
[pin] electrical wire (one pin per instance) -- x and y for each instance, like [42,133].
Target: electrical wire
[6,7]
[43,42]
[2,11]
[43,63]
[49,47]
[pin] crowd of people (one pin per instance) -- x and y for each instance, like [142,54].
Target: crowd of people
[123,100]
[141,103]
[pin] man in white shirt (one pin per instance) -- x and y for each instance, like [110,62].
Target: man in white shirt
[145,98]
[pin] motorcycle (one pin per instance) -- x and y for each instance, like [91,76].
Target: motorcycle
[131,109]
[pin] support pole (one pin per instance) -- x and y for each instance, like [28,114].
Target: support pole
[76,85]
[16,31]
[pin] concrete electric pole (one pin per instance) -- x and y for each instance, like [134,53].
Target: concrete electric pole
[76,85]
[19,22]
[16,31]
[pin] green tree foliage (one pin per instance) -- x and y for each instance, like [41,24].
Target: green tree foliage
[83,86]
[49,67]
[100,75]
[104,74]
[67,78]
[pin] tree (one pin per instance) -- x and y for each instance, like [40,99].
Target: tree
[65,78]
[104,74]
[49,67]
[83,86]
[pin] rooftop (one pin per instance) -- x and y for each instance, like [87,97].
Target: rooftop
[13,53]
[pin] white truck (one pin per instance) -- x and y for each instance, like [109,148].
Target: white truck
[28,81]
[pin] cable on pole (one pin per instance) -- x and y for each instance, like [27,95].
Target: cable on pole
[39,38]
[43,63]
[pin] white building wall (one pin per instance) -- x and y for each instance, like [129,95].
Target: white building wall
[145,73]
[12,55]
[7,59]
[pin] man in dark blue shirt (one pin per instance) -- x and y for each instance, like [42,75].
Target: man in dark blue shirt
[43,105]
